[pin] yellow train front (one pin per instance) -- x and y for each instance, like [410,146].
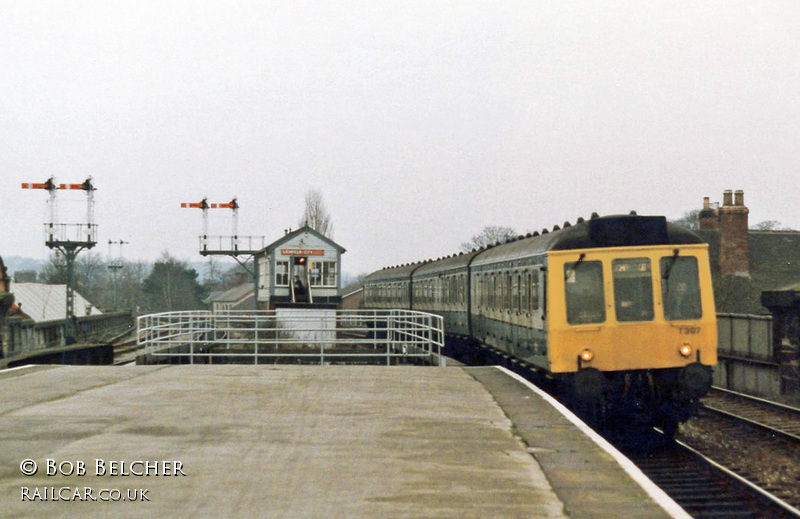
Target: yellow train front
[618,312]
[634,327]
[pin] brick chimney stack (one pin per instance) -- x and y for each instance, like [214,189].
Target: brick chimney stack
[709,218]
[730,221]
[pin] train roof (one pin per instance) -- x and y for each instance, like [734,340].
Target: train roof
[598,232]
[607,231]
[401,272]
[444,264]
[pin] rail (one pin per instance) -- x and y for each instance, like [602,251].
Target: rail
[298,335]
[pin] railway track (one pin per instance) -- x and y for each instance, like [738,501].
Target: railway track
[720,482]
[754,439]
[777,419]
[125,350]
[712,473]
[703,488]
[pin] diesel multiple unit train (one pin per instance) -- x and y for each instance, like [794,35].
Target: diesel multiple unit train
[616,312]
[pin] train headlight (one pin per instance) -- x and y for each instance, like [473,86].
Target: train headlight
[587,355]
[685,350]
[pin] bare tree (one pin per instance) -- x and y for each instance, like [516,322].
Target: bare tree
[769,225]
[690,220]
[489,236]
[54,271]
[316,214]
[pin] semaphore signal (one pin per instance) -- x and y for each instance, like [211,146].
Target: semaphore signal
[254,244]
[234,248]
[57,238]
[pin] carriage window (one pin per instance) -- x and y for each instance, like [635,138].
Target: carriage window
[584,292]
[680,288]
[515,292]
[534,292]
[507,292]
[633,289]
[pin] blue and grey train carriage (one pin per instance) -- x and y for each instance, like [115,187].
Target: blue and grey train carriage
[617,311]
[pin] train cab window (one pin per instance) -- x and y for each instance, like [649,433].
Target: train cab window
[680,288]
[584,292]
[633,289]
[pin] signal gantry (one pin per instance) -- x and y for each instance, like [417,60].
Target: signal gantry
[68,239]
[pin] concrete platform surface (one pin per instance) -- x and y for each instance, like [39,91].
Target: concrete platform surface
[283,441]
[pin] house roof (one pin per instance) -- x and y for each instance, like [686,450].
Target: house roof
[232,295]
[305,229]
[774,259]
[48,302]
[352,290]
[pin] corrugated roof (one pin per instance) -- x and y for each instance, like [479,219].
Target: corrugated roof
[48,302]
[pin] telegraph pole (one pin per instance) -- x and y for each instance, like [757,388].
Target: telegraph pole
[58,238]
[114,267]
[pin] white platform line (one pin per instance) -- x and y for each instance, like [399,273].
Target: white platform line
[658,495]
[18,367]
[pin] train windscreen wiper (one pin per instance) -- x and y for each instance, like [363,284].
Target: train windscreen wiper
[575,266]
[667,271]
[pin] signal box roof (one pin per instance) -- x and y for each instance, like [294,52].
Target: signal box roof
[269,249]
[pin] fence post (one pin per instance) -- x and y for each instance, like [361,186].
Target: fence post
[191,338]
[389,336]
[255,338]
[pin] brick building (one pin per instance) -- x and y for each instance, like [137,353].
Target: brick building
[746,262]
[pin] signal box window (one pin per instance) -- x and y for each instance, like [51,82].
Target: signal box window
[282,273]
[584,292]
[633,289]
[323,274]
[680,288]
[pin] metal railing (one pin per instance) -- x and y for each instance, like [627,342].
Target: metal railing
[293,335]
[232,243]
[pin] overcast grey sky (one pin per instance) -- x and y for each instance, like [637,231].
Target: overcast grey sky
[420,122]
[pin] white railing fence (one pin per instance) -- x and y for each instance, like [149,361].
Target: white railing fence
[311,335]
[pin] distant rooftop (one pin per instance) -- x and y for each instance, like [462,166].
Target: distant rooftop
[48,302]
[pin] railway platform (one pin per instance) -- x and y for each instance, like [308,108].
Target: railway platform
[302,441]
